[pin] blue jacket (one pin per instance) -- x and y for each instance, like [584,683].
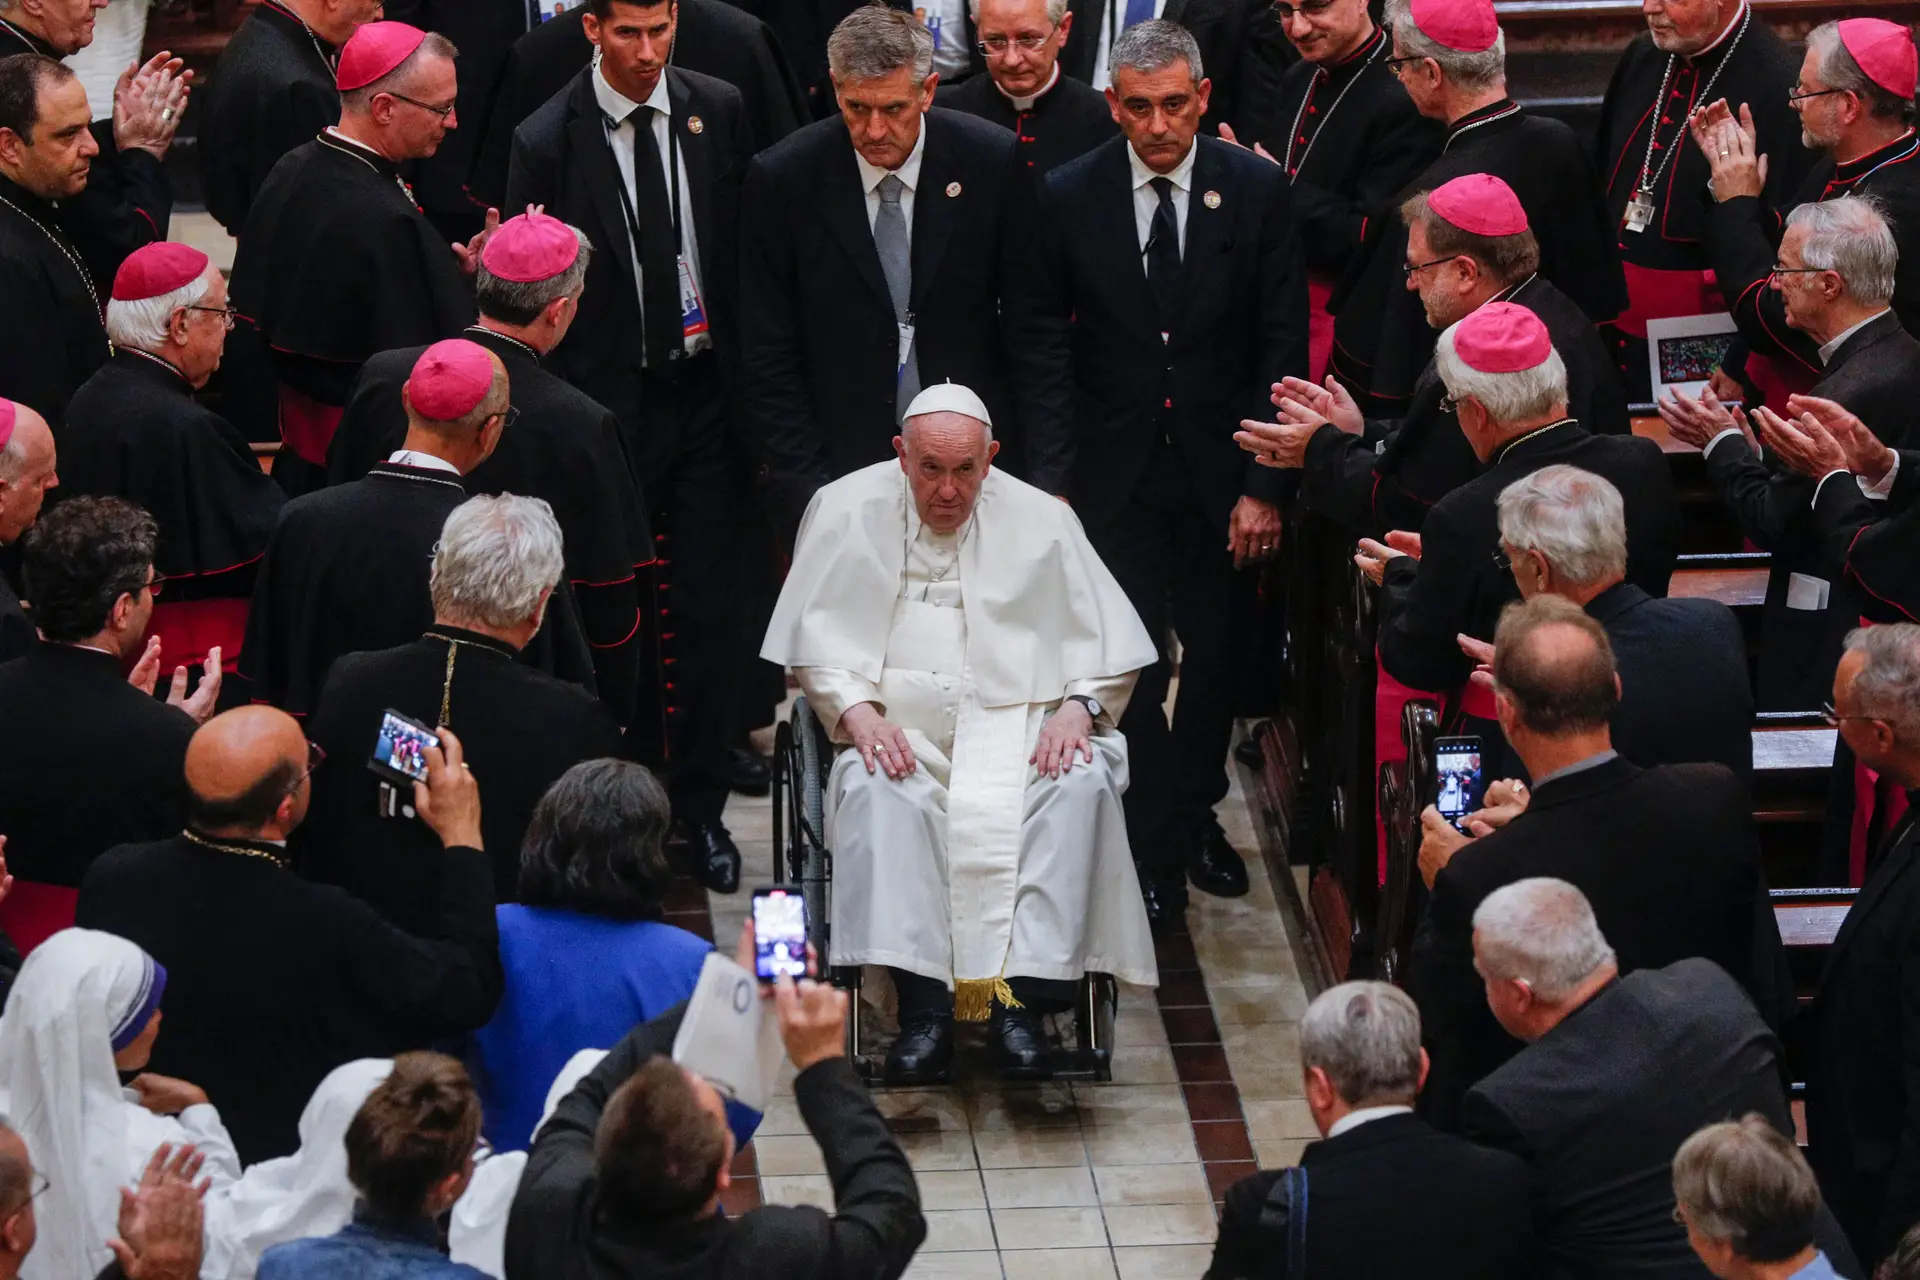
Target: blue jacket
[368,1248]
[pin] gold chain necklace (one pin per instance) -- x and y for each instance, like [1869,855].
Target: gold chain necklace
[241,850]
[446,687]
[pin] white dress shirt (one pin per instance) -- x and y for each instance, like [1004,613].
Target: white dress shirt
[908,173]
[1146,200]
[1832,345]
[1354,1119]
[1112,11]
[422,461]
[618,106]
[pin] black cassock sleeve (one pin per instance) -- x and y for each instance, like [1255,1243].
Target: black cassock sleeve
[1426,603]
[1766,501]
[1876,553]
[128,203]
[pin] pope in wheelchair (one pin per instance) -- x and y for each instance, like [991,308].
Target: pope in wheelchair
[969,654]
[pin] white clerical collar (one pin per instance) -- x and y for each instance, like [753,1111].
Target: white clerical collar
[1181,177]
[1026,104]
[1733,25]
[618,106]
[908,173]
[1354,1119]
[1827,349]
[423,461]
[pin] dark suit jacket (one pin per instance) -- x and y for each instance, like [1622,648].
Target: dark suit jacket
[272,981]
[1668,857]
[87,761]
[561,159]
[1684,697]
[1863,1075]
[1065,122]
[1873,373]
[557,1232]
[1455,587]
[819,341]
[1389,1198]
[1598,1105]
[520,728]
[1100,377]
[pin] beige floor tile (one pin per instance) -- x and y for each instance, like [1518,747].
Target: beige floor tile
[814,1189]
[1048,1106]
[1163,1262]
[1136,1184]
[1059,1264]
[974,1264]
[1277,1153]
[1285,1118]
[1040,1188]
[917,1110]
[1163,1224]
[951,1189]
[1144,1064]
[783,1156]
[781,1119]
[1107,1105]
[1029,1148]
[937,1150]
[957,1230]
[1252,1004]
[1144,1030]
[1050,1228]
[1141,1144]
[205,234]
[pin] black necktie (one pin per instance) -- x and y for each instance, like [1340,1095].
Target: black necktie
[659,253]
[1163,254]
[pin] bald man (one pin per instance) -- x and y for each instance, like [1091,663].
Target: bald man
[26,473]
[274,981]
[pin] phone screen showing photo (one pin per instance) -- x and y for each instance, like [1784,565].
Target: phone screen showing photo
[779,934]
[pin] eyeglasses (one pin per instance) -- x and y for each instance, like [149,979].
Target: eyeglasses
[153,585]
[35,1189]
[1801,95]
[1502,561]
[511,416]
[1833,717]
[226,314]
[316,756]
[1396,64]
[997,46]
[1779,270]
[1311,9]
[1409,272]
[442,112]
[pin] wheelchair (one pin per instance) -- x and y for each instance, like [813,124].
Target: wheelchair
[802,759]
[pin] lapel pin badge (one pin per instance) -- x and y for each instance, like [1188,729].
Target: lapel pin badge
[953,188]
[695,124]
[1211,199]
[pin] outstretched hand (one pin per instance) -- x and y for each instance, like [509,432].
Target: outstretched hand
[469,253]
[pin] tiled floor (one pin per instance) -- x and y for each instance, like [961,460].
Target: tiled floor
[1114,1181]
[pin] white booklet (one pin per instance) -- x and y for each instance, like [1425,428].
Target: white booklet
[730,1036]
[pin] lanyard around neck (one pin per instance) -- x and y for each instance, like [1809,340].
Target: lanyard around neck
[627,196]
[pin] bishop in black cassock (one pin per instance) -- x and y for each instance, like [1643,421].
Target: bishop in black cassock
[337,262]
[1062,119]
[134,431]
[52,331]
[563,448]
[1658,207]
[1381,338]
[714,38]
[273,89]
[1351,140]
[347,568]
[26,473]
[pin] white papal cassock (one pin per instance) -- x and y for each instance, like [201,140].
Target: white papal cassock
[975,868]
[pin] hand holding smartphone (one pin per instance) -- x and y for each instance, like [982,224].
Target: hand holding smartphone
[400,750]
[1460,778]
[779,934]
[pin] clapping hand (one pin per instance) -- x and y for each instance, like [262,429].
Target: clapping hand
[1866,456]
[1372,556]
[469,253]
[1732,151]
[148,102]
[1802,445]
[1302,409]
[161,1221]
[1227,136]
[1697,421]
[201,704]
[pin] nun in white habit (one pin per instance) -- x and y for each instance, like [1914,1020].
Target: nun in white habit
[956,630]
[84,1007]
[304,1194]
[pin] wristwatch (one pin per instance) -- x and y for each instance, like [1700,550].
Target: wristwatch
[1091,704]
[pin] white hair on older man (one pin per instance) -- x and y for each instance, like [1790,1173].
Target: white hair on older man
[1366,1037]
[1849,236]
[1574,518]
[1888,686]
[496,557]
[874,41]
[1481,70]
[1156,45]
[1542,932]
[1508,397]
[144,325]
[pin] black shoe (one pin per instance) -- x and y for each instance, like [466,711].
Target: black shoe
[747,772]
[1020,1045]
[1166,902]
[712,856]
[922,1051]
[1212,865]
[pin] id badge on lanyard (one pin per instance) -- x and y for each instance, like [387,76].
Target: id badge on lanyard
[906,346]
[693,314]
